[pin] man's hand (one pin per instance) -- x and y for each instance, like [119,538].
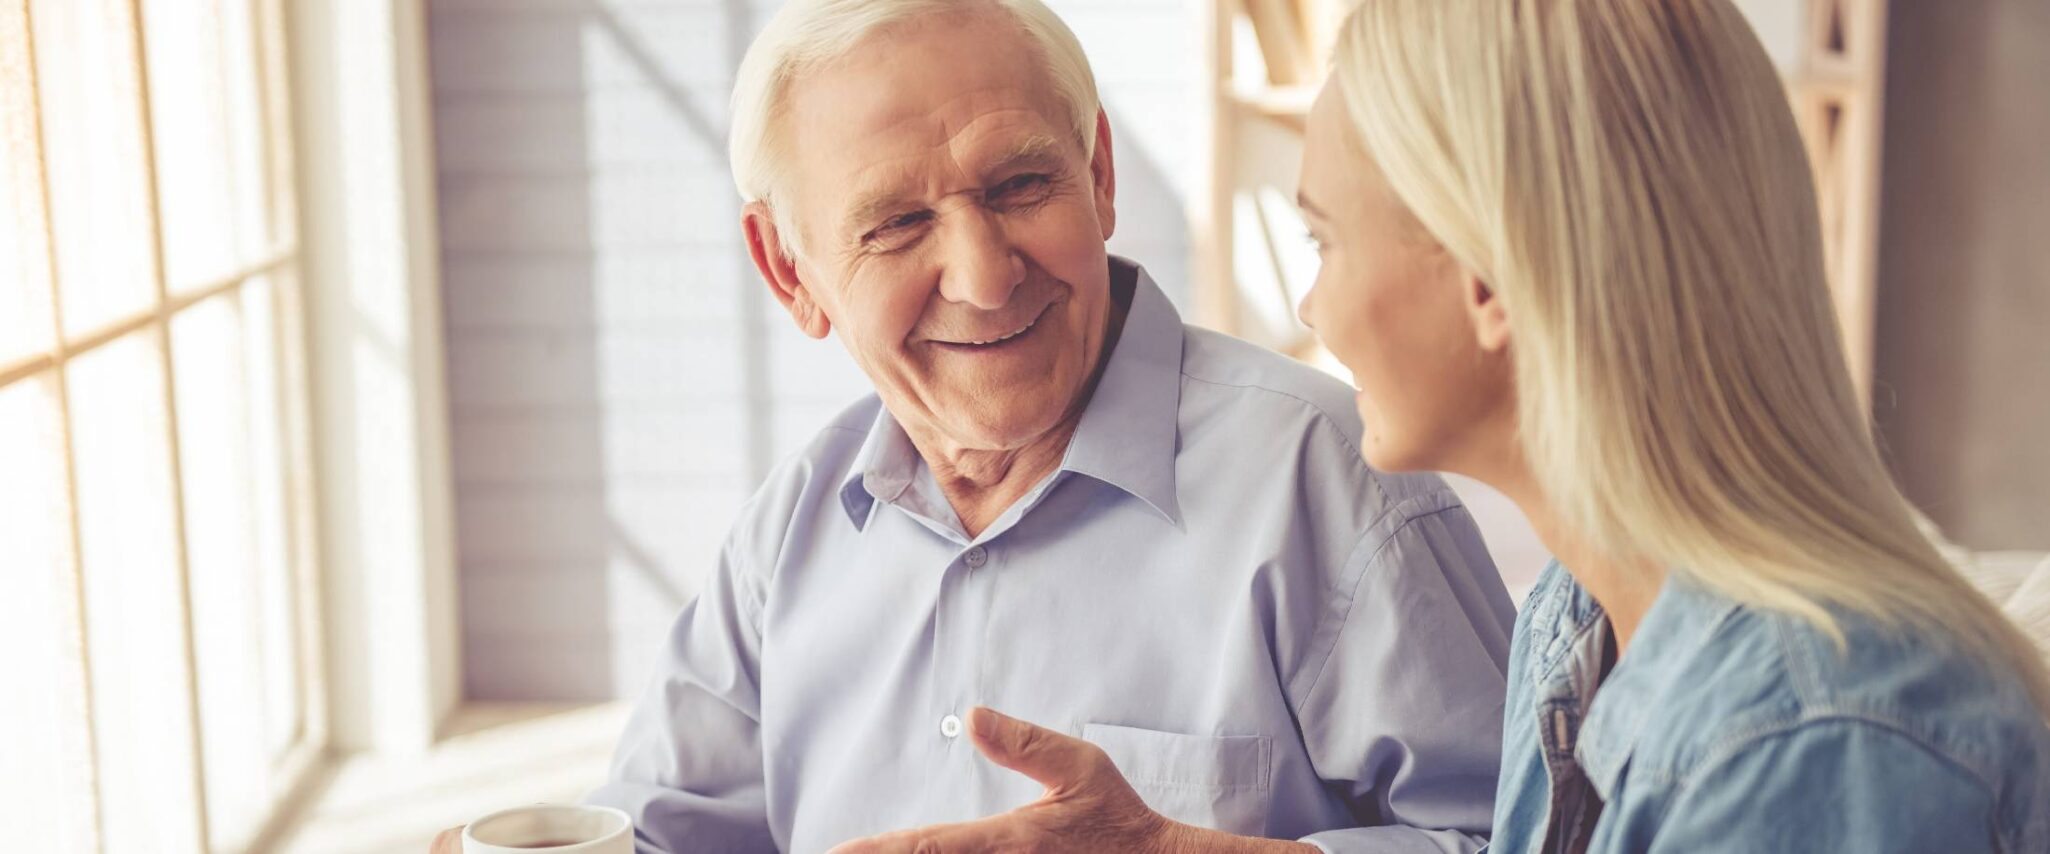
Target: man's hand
[1088,806]
[449,841]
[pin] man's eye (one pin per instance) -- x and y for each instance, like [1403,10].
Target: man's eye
[1020,185]
[896,226]
[903,221]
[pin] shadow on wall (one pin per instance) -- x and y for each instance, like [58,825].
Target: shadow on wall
[587,294]
[1152,226]
[620,380]
[1962,391]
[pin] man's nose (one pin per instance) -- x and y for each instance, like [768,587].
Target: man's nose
[982,268]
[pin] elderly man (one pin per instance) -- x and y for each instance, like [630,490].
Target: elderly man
[1060,502]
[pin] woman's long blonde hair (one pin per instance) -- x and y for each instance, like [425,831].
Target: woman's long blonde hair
[1626,175]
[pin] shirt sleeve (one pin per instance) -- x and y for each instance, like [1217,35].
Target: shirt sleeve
[1835,785]
[1404,714]
[688,770]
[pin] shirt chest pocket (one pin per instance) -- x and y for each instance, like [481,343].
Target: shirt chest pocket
[1206,780]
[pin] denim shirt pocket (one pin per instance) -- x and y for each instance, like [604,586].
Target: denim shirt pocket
[1206,780]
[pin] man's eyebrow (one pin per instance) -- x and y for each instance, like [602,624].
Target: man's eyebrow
[1037,151]
[874,205]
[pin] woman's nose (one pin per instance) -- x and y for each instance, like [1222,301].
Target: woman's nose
[982,267]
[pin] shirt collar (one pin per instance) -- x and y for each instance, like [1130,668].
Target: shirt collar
[1681,621]
[882,470]
[1127,435]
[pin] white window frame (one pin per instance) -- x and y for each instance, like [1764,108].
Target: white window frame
[279,268]
[358,309]
[372,267]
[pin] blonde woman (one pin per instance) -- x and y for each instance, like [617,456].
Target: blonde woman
[1570,249]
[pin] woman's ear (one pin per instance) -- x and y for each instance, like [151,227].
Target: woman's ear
[779,270]
[1490,320]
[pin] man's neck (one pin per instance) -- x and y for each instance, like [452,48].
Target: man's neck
[981,485]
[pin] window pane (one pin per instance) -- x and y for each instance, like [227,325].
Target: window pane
[295,414]
[24,267]
[92,132]
[270,455]
[248,154]
[141,688]
[234,522]
[46,791]
[206,123]
[283,221]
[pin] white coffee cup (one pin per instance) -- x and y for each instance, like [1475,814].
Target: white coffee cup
[571,829]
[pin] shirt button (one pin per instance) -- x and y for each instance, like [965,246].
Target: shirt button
[950,726]
[977,557]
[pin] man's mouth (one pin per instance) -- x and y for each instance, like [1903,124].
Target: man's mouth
[998,342]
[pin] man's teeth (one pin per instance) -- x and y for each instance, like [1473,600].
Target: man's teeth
[1028,327]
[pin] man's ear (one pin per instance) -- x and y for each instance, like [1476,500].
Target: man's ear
[1103,177]
[779,271]
[1490,319]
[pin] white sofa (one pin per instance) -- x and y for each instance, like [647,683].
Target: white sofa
[2019,582]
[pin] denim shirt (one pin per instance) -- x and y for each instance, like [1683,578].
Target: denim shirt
[1727,728]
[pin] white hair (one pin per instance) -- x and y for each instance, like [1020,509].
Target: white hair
[808,33]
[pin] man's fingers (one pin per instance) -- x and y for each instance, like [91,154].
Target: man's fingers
[1058,761]
[449,841]
[999,833]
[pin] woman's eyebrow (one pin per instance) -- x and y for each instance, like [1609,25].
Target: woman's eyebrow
[1302,200]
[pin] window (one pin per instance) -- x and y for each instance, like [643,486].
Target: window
[160,680]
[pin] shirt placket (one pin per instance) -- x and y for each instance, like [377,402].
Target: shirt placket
[1561,708]
[1569,825]
[958,627]
[960,624]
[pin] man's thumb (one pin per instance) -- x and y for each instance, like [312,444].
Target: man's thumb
[1056,760]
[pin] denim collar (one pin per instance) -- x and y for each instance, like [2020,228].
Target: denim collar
[1568,633]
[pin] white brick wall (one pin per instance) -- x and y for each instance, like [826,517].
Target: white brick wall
[619,378]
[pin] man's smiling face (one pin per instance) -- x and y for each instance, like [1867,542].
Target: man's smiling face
[952,227]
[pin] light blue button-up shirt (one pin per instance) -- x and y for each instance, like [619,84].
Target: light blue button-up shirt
[1265,635]
[1732,729]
